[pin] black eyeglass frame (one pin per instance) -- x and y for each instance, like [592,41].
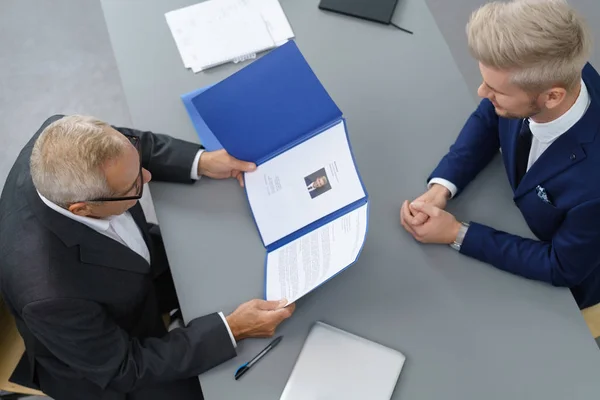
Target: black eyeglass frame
[135,141]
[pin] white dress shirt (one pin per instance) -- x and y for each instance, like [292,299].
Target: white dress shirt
[123,229]
[543,134]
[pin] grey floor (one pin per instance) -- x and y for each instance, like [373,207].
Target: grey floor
[56,58]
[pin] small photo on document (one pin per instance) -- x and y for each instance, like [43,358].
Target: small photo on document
[317,183]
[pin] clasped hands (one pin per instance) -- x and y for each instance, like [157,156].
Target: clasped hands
[426,220]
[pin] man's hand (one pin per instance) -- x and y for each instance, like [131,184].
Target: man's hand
[437,195]
[220,165]
[258,318]
[440,227]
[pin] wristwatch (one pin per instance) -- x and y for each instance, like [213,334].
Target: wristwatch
[462,232]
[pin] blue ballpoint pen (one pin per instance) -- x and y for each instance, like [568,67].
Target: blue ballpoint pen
[244,368]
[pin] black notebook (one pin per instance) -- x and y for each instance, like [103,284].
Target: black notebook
[373,10]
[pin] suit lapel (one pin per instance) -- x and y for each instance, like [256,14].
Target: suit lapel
[140,220]
[564,153]
[514,127]
[98,249]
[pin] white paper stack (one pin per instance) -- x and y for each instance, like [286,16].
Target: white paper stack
[216,32]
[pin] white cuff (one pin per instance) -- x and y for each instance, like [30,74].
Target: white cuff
[445,183]
[228,330]
[194,173]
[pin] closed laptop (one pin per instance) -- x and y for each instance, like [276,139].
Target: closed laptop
[334,364]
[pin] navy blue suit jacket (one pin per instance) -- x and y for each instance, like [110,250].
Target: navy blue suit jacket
[568,228]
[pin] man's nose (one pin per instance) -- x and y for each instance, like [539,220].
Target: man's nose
[486,93]
[482,91]
[146,175]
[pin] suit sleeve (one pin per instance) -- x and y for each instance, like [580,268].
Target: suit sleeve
[476,145]
[565,261]
[83,336]
[168,159]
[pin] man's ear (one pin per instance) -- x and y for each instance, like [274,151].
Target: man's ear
[554,97]
[82,209]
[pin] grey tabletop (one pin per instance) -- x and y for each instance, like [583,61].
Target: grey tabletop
[469,331]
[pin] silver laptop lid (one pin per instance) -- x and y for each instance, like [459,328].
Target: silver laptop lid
[335,364]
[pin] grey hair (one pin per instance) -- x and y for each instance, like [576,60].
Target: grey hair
[67,158]
[543,42]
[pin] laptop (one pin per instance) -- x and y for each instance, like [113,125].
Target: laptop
[334,364]
[372,10]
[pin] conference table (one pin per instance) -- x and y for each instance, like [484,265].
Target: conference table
[468,330]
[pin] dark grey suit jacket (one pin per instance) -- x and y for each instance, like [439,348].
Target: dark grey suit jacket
[86,305]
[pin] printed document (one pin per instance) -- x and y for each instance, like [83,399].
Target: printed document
[298,267]
[303,184]
[214,32]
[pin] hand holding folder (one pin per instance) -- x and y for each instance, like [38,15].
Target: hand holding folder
[221,165]
[306,195]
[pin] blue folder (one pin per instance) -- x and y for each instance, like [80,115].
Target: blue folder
[263,110]
[209,141]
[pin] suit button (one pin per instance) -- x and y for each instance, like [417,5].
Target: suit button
[573,157]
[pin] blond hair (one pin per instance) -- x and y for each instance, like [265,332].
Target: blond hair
[67,158]
[544,42]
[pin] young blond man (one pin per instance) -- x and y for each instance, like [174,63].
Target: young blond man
[541,108]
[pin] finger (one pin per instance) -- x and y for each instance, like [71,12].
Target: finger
[411,231]
[420,233]
[291,308]
[420,218]
[241,165]
[408,221]
[285,312]
[255,302]
[405,213]
[429,209]
[408,210]
[408,228]
[271,305]
[240,178]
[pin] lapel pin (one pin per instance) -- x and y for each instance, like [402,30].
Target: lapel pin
[541,192]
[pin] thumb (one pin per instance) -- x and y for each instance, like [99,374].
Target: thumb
[285,311]
[425,208]
[420,219]
[272,305]
[243,166]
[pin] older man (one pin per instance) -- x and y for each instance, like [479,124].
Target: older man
[541,107]
[88,281]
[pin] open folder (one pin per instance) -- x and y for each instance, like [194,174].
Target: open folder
[307,198]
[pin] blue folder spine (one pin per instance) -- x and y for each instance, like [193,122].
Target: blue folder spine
[317,224]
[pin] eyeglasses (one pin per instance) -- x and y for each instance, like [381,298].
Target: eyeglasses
[139,183]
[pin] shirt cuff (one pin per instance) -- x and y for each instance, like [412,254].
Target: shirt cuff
[194,172]
[445,183]
[228,329]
